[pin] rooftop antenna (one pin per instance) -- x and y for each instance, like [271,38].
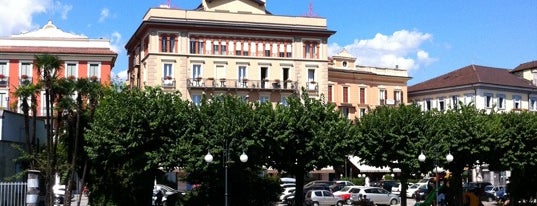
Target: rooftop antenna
[311,13]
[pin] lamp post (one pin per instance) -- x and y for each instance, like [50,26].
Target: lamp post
[209,158]
[449,158]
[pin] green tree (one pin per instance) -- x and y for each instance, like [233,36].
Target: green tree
[227,124]
[516,149]
[129,126]
[392,137]
[466,133]
[25,93]
[304,135]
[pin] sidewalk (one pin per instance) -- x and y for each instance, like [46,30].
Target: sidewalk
[74,201]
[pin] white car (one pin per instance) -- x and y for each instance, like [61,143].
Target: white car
[165,191]
[286,191]
[379,196]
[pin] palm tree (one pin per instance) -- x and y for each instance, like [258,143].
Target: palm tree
[47,65]
[25,92]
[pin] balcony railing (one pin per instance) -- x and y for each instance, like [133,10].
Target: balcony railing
[312,86]
[4,81]
[168,82]
[25,81]
[219,83]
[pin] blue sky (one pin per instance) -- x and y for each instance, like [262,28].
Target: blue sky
[428,38]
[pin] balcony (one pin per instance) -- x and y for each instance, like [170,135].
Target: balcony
[4,81]
[168,83]
[25,80]
[242,84]
[312,86]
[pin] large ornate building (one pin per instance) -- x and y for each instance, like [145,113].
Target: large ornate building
[229,46]
[82,58]
[356,89]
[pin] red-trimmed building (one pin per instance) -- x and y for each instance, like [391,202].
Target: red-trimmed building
[81,58]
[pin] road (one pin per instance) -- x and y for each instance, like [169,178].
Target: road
[411,202]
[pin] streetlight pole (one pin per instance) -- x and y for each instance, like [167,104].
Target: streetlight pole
[209,158]
[449,159]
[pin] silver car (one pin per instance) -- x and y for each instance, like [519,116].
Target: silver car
[322,198]
[377,195]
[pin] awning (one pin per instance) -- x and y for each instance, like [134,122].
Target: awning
[324,170]
[356,161]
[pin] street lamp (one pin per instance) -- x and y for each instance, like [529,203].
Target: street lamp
[449,159]
[209,158]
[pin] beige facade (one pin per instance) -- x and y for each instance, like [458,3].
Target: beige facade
[230,46]
[357,89]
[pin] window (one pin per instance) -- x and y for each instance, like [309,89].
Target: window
[196,99]
[345,94]
[428,105]
[533,104]
[4,99]
[501,101]
[196,71]
[516,102]
[93,71]
[167,71]
[362,95]
[382,96]
[362,112]
[441,104]
[167,43]
[468,99]
[329,93]
[398,96]
[311,50]
[243,81]
[197,46]
[311,80]
[345,112]
[216,48]
[284,101]
[71,70]
[454,102]
[263,99]
[26,70]
[3,68]
[488,100]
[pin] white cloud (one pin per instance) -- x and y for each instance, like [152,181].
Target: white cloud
[120,77]
[63,9]
[16,16]
[115,42]
[402,48]
[105,13]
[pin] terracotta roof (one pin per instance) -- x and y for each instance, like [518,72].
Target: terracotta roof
[56,50]
[473,74]
[525,66]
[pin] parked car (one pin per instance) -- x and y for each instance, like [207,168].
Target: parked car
[421,192]
[396,189]
[322,198]
[412,189]
[346,192]
[165,193]
[318,186]
[478,188]
[388,184]
[286,191]
[379,196]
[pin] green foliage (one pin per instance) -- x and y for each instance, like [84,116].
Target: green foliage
[129,127]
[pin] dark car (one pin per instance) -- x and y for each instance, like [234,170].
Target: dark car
[421,193]
[388,184]
[478,188]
